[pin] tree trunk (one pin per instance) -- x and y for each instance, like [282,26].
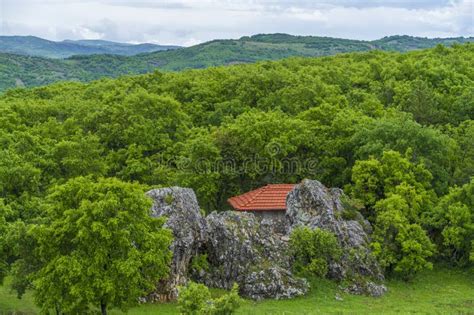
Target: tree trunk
[103,308]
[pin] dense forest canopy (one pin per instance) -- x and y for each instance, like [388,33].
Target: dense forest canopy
[21,70]
[394,130]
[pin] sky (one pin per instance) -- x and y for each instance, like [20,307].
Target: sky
[189,22]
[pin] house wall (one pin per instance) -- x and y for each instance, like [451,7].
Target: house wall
[278,217]
[269,214]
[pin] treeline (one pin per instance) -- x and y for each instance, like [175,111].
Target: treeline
[16,71]
[394,130]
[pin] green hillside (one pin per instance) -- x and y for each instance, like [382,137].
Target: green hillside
[393,130]
[20,71]
[25,71]
[39,47]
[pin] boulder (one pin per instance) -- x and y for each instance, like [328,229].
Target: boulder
[313,205]
[273,282]
[181,208]
[244,249]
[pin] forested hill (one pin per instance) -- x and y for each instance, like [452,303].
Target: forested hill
[394,130]
[39,47]
[28,71]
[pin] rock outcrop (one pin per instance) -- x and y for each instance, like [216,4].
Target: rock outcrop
[253,252]
[181,208]
[240,248]
[313,205]
[243,249]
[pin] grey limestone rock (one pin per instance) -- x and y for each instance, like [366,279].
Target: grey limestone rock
[246,250]
[253,252]
[240,248]
[181,208]
[313,205]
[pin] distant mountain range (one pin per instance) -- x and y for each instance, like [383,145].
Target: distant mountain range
[35,46]
[20,70]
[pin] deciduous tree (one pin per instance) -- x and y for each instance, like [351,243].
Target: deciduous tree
[98,246]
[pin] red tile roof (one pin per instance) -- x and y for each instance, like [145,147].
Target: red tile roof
[270,197]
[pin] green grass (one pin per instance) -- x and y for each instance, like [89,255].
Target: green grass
[10,304]
[440,291]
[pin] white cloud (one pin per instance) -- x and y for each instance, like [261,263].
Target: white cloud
[187,22]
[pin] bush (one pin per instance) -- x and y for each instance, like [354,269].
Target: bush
[318,267]
[313,250]
[196,299]
[228,303]
[351,208]
[193,298]
[402,248]
[199,263]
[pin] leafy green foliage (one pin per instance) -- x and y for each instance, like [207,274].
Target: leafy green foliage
[377,179]
[313,250]
[395,130]
[16,176]
[425,146]
[3,241]
[453,221]
[199,263]
[228,303]
[463,135]
[397,195]
[195,299]
[97,245]
[401,247]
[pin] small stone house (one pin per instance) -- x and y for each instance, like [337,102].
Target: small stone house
[266,202]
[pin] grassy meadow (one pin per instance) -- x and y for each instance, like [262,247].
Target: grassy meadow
[439,291]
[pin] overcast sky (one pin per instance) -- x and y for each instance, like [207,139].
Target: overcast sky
[188,22]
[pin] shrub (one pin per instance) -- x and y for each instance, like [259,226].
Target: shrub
[195,299]
[228,303]
[199,263]
[313,250]
[352,208]
[318,267]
